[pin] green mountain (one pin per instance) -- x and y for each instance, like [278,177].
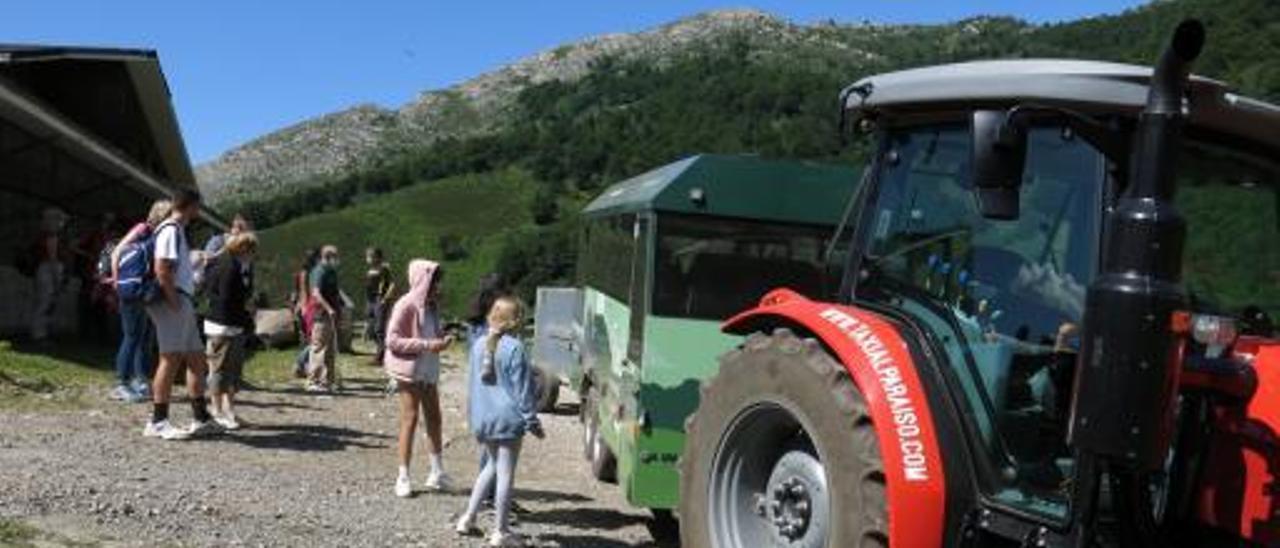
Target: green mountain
[570,120]
[464,221]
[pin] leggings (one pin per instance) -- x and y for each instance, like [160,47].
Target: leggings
[500,465]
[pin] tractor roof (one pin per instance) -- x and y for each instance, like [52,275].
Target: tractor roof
[1089,86]
[739,186]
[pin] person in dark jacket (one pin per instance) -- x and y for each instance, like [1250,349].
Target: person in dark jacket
[230,291]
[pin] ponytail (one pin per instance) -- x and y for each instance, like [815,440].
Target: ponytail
[505,317]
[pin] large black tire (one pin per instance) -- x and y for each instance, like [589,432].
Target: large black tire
[782,375]
[548,390]
[604,466]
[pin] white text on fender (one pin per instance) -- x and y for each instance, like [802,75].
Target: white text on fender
[906,423]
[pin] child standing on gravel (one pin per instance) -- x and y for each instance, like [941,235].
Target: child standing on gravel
[415,339]
[502,403]
[229,287]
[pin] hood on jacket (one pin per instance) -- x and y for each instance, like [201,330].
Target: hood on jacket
[422,274]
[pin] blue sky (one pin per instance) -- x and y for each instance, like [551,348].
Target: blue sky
[240,68]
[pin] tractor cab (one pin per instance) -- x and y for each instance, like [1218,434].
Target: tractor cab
[1002,297]
[996,277]
[1055,326]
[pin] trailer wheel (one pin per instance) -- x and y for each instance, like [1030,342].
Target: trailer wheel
[586,408]
[781,452]
[604,466]
[548,389]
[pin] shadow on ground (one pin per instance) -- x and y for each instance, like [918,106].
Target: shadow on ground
[586,518]
[278,404]
[545,496]
[306,438]
[594,541]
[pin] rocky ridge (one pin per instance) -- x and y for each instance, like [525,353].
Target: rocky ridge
[335,144]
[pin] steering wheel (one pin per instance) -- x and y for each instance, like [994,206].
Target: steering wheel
[939,237]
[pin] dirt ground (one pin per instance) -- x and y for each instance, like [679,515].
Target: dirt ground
[306,471]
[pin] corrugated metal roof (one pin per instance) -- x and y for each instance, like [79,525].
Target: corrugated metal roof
[109,108]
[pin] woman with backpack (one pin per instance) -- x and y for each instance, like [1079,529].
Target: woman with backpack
[132,358]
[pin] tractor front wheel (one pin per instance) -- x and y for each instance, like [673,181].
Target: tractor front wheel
[781,452]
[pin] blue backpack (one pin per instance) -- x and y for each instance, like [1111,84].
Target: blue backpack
[136,280]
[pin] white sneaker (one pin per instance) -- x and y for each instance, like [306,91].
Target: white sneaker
[498,539]
[466,526]
[404,487]
[439,481]
[227,421]
[165,430]
[125,394]
[203,428]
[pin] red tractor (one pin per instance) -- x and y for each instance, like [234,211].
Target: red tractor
[1053,328]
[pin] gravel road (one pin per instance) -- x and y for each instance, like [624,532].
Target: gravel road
[307,471]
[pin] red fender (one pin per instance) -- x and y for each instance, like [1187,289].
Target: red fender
[1240,488]
[881,366]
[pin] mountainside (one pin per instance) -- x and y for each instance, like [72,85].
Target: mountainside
[575,118]
[1244,43]
[338,143]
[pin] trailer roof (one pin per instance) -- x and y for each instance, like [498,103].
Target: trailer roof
[741,186]
[1090,86]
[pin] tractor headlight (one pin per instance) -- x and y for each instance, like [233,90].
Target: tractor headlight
[1216,333]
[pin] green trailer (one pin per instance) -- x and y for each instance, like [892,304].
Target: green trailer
[665,257]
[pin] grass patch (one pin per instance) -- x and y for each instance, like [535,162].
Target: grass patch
[271,367]
[475,211]
[61,375]
[16,533]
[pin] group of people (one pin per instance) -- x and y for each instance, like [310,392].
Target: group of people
[156,277]
[410,336]
[501,392]
[65,251]
[159,307]
[318,305]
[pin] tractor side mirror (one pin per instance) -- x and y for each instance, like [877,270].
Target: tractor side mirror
[999,154]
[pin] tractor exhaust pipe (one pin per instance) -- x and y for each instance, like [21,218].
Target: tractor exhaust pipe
[1126,380]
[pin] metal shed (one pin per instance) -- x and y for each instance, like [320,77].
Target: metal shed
[87,131]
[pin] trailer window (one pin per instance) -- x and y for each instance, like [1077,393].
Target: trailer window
[713,267]
[605,263]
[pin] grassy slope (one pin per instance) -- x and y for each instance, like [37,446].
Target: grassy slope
[407,223]
[61,376]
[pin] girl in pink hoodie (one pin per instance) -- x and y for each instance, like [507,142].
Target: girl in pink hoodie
[415,339]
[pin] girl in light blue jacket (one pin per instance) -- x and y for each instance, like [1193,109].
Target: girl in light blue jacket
[503,408]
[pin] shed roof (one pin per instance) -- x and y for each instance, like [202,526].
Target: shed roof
[1090,86]
[740,186]
[103,115]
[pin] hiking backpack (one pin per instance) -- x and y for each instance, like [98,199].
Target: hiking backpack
[137,278]
[102,268]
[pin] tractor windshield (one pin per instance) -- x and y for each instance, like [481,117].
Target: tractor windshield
[1002,299]
[1232,256]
